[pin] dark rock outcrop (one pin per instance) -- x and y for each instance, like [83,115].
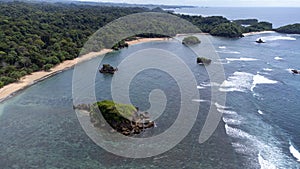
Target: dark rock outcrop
[123,118]
[107,68]
[294,71]
[260,41]
[203,60]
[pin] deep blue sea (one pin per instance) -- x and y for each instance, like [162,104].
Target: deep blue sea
[260,125]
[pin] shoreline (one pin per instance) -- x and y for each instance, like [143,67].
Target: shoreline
[13,89]
[258,33]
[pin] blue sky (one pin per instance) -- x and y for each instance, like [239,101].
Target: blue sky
[233,3]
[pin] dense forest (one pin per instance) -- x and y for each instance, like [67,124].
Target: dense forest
[37,36]
[290,29]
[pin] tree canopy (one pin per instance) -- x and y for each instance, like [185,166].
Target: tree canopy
[191,40]
[230,30]
[291,29]
[38,36]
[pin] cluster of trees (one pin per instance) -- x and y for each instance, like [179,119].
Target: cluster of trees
[230,29]
[291,29]
[191,40]
[220,26]
[260,26]
[120,45]
[252,25]
[37,36]
[205,24]
[246,21]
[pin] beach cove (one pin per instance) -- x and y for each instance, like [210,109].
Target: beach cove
[28,80]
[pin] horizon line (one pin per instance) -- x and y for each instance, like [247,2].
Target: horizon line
[191,5]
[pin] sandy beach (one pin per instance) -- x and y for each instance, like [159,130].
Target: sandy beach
[143,40]
[257,33]
[9,90]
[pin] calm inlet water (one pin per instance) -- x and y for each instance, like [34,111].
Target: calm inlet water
[40,128]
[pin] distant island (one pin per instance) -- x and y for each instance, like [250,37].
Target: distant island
[125,119]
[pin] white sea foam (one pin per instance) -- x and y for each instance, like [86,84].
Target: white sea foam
[233,121]
[278,58]
[199,100]
[221,63]
[243,149]
[242,81]
[291,35]
[270,156]
[260,112]
[294,152]
[268,69]
[259,79]
[228,112]
[265,164]
[222,47]
[220,106]
[264,73]
[240,148]
[241,59]
[274,38]
[200,87]
[239,81]
[209,84]
[237,133]
[229,52]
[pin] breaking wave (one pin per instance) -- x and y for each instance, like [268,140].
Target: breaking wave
[259,79]
[274,38]
[278,58]
[268,69]
[241,59]
[199,100]
[265,164]
[294,152]
[229,52]
[242,81]
[200,87]
[260,112]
